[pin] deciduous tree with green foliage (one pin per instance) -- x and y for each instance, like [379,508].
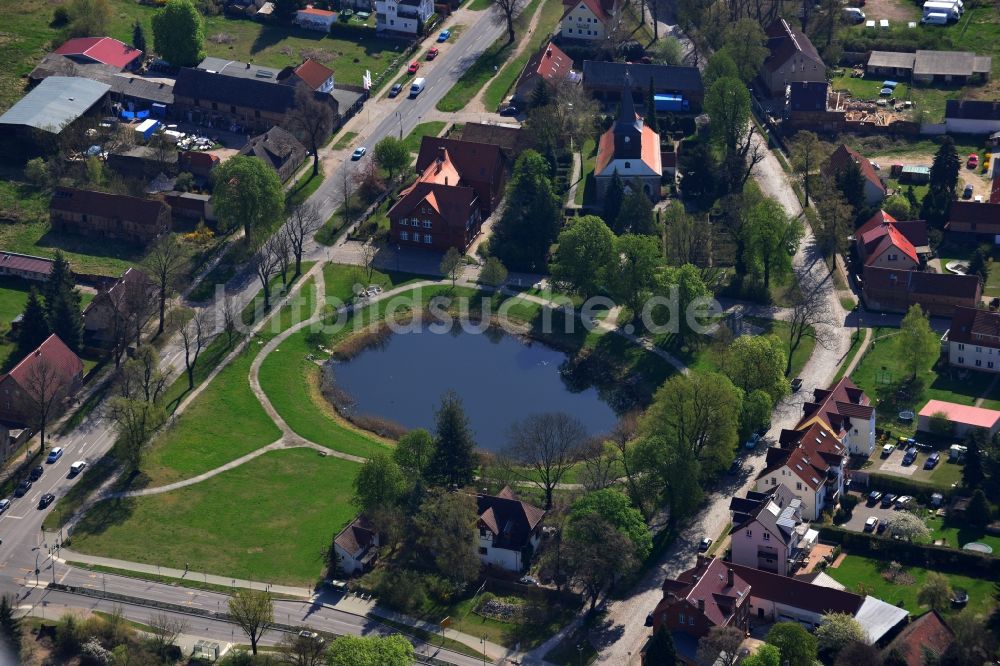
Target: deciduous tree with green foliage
[379,483]
[253,612]
[757,362]
[454,458]
[392,650]
[771,240]
[493,272]
[248,192]
[837,631]
[636,214]
[614,197]
[687,283]
[586,251]
[596,553]
[720,65]
[88,18]
[413,453]
[531,220]
[797,646]
[660,649]
[391,154]
[179,33]
[851,184]
[807,153]
[663,473]
[746,44]
[451,264]
[918,346]
[766,655]
[755,414]
[633,275]
[615,508]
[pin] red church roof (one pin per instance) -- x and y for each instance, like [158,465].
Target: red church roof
[100,49]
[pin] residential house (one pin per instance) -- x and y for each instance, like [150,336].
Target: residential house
[55,104]
[438,211]
[895,290]
[711,594]
[847,412]
[791,57]
[629,150]
[812,105]
[25,266]
[811,463]
[108,216]
[926,635]
[314,75]
[587,20]
[356,546]
[52,365]
[981,218]
[509,530]
[959,67]
[768,531]
[842,157]
[198,164]
[103,50]
[402,16]
[311,18]
[972,116]
[278,149]
[974,339]
[549,66]
[114,310]
[604,81]
[963,418]
[885,242]
[481,166]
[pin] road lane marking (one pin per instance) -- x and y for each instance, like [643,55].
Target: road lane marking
[10,515]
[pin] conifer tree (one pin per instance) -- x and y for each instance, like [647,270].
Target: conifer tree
[34,328]
[453,460]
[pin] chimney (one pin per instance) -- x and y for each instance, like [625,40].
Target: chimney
[446,180]
[729,578]
[701,605]
[440,157]
[548,53]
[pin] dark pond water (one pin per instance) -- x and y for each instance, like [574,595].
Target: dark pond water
[501,378]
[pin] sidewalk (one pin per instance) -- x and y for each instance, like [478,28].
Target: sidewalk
[68,555]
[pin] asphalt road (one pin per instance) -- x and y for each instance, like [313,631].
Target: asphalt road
[25,548]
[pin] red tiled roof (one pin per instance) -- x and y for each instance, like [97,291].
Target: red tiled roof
[876,220]
[595,8]
[117,291]
[927,633]
[797,593]
[26,263]
[921,283]
[56,354]
[832,405]
[100,49]
[708,581]
[317,12]
[975,326]
[650,154]
[811,453]
[970,212]
[844,156]
[964,414]
[472,161]
[550,63]
[888,238]
[313,73]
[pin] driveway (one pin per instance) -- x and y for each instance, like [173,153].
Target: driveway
[863,511]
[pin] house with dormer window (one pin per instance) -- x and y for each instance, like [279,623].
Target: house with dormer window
[587,20]
[809,462]
[847,412]
[769,532]
[974,339]
[403,16]
[508,530]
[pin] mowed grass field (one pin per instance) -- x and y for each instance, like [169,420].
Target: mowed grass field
[268,520]
[27,36]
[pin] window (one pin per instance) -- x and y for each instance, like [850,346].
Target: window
[979,363]
[798,485]
[427,224]
[749,534]
[691,620]
[403,222]
[979,350]
[682,618]
[961,359]
[774,481]
[767,536]
[403,235]
[416,238]
[427,239]
[628,165]
[893,257]
[482,550]
[989,364]
[961,347]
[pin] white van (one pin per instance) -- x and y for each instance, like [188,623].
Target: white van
[417,87]
[934,19]
[854,15]
[949,9]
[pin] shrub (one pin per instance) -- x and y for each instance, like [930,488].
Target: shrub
[403,590]
[60,17]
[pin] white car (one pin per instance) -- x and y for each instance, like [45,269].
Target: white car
[4,505]
[77,467]
[871,524]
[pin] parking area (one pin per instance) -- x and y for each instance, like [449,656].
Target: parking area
[863,511]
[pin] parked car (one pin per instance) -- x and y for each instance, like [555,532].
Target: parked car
[45,500]
[433,53]
[735,468]
[871,523]
[937,499]
[903,501]
[752,442]
[705,544]
[887,450]
[414,66]
[443,37]
[874,497]
[528,580]
[973,161]
[881,527]
[887,500]
[395,89]
[910,456]
[358,153]
[54,455]
[4,504]
[77,467]
[649,620]
[967,192]
[932,461]
[509,111]
[22,488]
[36,473]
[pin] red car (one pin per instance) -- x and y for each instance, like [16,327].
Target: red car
[973,161]
[414,66]
[433,53]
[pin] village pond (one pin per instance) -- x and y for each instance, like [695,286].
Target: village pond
[500,377]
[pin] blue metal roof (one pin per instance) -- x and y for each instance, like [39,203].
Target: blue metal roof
[55,102]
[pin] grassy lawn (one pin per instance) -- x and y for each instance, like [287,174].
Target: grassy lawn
[293,501]
[856,572]
[481,71]
[304,188]
[413,139]
[952,249]
[708,358]
[851,353]
[548,20]
[957,536]
[344,140]
[341,278]
[589,155]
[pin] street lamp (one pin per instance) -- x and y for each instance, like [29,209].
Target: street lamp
[484,649]
[579,653]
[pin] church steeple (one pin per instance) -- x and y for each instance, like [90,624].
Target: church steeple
[627,117]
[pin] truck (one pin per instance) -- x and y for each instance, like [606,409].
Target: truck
[670,103]
[418,86]
[144,130]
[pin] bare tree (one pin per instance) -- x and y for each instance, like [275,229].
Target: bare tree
[720,646]
[193,337]
[302,649]
[44,388]
[230,319]
[749,154]
[303,222]
[164,630]
[253,611]
[137,303]
[807,152]
[141,377]
[504,13]
[311,121]
[369,250]
[347,183]
[598,460]
[617,32]
[284,249]
[546,445]
[811,316]
[265,263]
[165,264]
